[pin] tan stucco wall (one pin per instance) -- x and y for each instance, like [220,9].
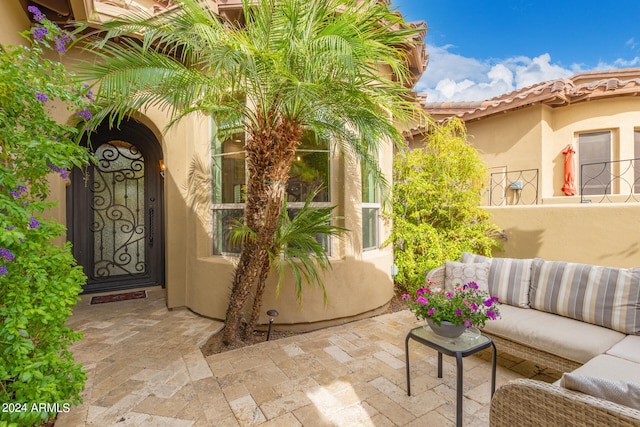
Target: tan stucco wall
[600,234]
[534,137]
[513,142]
[12,21]
[358,283]
[353,287]
[560,227]
[620,115]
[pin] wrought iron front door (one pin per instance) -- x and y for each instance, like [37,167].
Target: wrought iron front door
[116,214]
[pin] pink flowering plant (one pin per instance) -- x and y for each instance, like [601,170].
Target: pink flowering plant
[465,305]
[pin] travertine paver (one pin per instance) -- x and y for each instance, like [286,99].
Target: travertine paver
[144,368]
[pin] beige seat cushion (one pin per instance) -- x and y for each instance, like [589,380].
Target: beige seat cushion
[610,368]
[628,348]
[621,392]
[564,337]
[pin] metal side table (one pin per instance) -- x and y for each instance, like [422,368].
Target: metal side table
[470,342]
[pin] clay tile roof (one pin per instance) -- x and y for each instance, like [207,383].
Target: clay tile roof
[580,87]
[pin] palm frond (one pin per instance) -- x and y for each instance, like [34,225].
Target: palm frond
[296,245]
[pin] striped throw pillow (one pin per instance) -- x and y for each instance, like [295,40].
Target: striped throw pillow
[604,296]
[509,278]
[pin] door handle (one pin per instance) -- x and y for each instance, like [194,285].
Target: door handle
[151,226]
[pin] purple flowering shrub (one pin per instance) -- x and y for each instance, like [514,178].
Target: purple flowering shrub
[465,305]
[39,279]
[46,32]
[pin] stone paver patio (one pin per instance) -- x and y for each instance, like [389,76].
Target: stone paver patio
[144,368]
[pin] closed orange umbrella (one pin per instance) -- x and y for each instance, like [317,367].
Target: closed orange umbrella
[569,187]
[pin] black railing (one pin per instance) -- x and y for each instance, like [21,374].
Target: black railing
[614,181]
[514,188]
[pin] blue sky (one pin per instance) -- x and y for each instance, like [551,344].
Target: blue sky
[479,49]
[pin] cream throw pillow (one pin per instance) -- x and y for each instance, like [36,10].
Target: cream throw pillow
[460,273]
[620,392]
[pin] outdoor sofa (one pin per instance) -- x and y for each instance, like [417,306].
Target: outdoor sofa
[582,320]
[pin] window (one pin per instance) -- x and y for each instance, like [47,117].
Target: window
[228,170]
[370,211]
[228,185]
[636,161]
[309,173]
[594,151]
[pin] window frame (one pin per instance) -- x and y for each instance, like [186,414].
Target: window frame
[218,247]
[374,206]
[594,190]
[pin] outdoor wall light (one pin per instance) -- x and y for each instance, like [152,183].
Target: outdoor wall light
[272,314]
[516,185]
[161,164]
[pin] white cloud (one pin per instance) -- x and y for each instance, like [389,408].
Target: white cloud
[449,88]
[623,63]
[446,65]
[501,72]
[451,77]
[538,70]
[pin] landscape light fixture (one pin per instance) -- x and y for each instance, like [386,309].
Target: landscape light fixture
[272,315]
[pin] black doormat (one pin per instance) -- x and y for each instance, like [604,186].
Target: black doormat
[118,297]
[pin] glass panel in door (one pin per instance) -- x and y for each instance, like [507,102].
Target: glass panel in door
[118,207]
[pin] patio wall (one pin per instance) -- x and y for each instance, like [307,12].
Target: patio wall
[605,234]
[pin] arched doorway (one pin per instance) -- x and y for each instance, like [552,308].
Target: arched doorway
[115,210]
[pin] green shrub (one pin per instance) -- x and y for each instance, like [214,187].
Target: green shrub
[39,280]
[437,193]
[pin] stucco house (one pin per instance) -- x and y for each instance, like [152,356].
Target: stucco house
[181,188]
[525,136]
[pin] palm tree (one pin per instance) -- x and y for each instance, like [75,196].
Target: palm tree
[337,68]
[295,246]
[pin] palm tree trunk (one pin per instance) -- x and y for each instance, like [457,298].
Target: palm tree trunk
[270,152]
[257,301]
[245,274]
[252,258]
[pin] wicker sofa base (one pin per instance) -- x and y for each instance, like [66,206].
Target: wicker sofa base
[533,403]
